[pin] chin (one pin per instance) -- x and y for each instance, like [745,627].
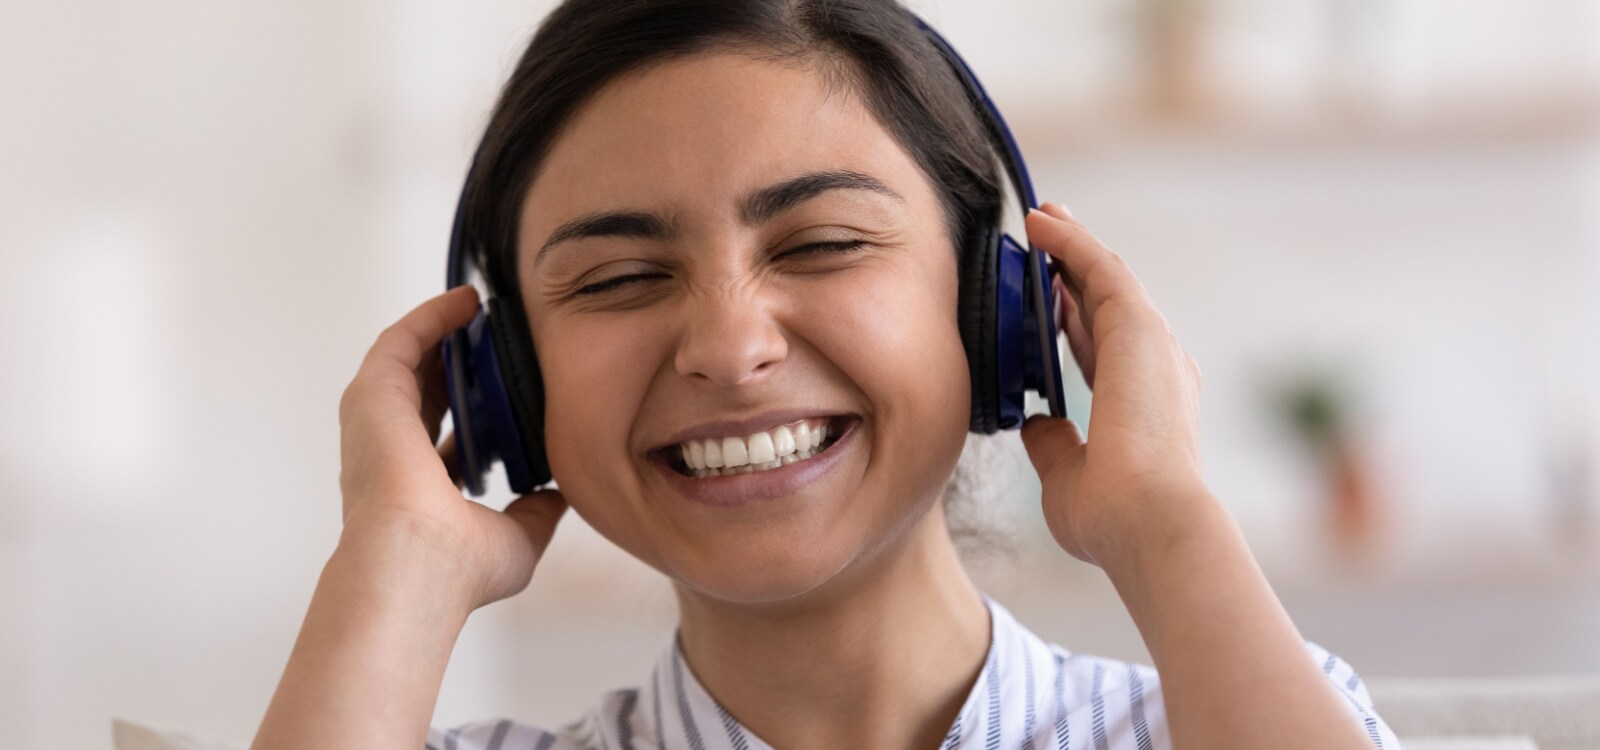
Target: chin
[766,571]
[791,565]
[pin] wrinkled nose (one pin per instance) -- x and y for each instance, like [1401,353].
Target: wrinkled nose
[732,340]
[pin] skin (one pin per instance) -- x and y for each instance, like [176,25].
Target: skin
[804,614]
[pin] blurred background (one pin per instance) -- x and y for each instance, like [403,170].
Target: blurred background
[1373,222]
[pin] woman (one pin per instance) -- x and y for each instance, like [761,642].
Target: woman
[733,227]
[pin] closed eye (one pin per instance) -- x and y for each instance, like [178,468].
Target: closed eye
[600,287]
[615,282]
[842,246]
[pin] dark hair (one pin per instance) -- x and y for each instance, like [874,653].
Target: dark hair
[874,45]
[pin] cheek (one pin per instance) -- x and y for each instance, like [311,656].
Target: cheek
[894,334]
[595,377]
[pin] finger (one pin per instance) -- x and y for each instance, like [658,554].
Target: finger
[1057,210]
[538,513]
[447,454]
[1049,440]
[1098,273]
[1071,293]
[393,366]
[380,410]
[1070,322]
[1060,212]
[403,347]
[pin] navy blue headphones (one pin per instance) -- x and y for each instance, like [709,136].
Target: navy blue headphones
[1006,316]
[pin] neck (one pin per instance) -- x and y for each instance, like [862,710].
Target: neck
[884,655]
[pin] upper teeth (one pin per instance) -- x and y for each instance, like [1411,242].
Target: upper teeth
[758,450]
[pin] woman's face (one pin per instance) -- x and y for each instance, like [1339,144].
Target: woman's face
[715,252]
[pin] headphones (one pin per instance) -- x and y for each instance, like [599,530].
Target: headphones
[1006,316]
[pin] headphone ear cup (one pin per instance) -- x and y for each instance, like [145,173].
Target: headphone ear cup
[978,319]
[524,386]
[466,400]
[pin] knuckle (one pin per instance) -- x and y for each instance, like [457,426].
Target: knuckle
[1103,265]
[1113,262]
[388,336]
[1147,314]
[351,398]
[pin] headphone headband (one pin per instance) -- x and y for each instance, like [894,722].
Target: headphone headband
[1000,133]
[1042,371]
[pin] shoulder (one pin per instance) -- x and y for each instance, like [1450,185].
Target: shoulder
[1109,699]
[1088,674]
[1117,703]
[599,727]
[496,734]
[1125,699]
[1350,685]
[1069,698]
[1342,674]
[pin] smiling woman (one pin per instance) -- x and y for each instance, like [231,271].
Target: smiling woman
[737,237]
[768,253]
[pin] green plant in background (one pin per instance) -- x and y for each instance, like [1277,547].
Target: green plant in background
[1318,405]
[1316,409]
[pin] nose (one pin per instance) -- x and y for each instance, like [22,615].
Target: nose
[731,339]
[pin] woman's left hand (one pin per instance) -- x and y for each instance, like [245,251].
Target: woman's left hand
[1143,460]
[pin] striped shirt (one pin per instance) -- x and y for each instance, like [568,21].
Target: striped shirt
[1030,695]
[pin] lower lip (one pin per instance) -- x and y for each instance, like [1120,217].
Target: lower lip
[759,486]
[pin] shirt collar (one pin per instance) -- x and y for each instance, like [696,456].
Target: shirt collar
[1004,695]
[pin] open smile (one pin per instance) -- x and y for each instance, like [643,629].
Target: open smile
[763,450]
[765,464]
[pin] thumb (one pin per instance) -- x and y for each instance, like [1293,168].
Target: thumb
[538,513]
[1049,439]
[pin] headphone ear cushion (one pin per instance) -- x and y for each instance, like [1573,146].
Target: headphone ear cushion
[977,317]
[524,384]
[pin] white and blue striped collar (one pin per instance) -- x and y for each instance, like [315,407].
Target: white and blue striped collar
[1012,695]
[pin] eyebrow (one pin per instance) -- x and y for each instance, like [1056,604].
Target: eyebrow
[768,202]
[610,224]
[758,207]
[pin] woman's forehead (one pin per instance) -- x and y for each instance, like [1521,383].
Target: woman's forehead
[706,130]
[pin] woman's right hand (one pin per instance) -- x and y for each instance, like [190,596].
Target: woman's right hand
[394,478]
